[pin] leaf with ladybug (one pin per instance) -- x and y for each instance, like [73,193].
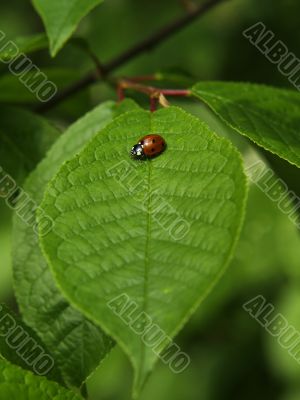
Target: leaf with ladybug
[138,244]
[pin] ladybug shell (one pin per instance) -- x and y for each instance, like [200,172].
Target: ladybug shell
[152,145]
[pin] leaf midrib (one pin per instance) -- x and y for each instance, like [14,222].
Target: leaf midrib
[147,261]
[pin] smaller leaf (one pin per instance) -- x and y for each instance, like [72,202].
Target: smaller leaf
[17,341]
[18,384]
[61,18]
[268,116]
[78,345]
[24,140]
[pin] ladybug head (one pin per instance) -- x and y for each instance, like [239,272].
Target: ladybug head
[137,151]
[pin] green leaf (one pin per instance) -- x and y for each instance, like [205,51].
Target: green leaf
[27,45]
[17,384]
[24,140]
[77,344]
[118,225]
[17,341]
[61,18]
[268,116]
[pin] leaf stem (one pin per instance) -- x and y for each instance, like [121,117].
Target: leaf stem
[175,92]
[153,103]
[155,94]
[85,47]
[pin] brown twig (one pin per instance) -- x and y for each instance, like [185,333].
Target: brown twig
[152,91]
[145,45]
[188,5]
[156,95]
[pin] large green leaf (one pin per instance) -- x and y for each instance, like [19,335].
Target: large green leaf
[18,384]
[61,18]
[268,116]
[24,139]
[76,343]
[158,232]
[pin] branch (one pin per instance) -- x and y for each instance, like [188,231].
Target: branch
[161,35]
[150,90]
[156,95]
[145,45]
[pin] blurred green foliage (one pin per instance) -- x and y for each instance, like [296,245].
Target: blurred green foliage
[233,357]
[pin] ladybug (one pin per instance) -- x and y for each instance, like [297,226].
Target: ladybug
[148,146]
